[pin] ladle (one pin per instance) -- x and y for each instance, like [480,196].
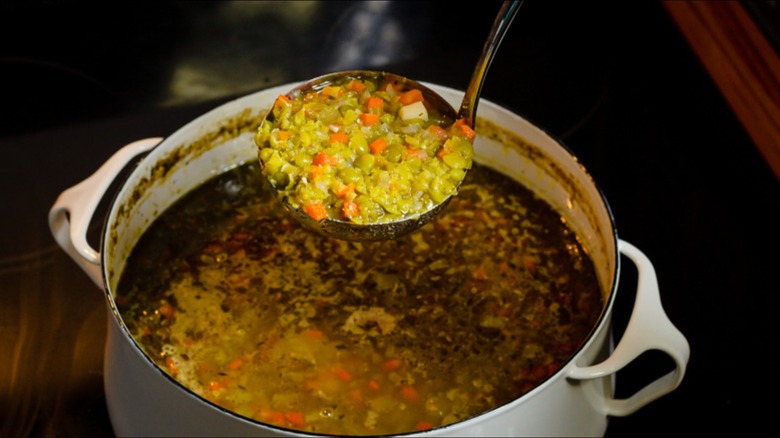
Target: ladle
[346,230]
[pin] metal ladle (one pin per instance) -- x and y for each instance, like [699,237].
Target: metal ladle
[346,230]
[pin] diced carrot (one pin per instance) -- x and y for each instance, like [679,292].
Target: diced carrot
[240,236]
[423,425]
[339,137]
[465,129]
[316,210]
[378,146]
[215,385]
[392,364]
[166,310]
[539,371]
[373,385]
[285,135]
[331,90]
[278,418]
[356,86]
[324,159]
[343,375]
[212,248]
[375,102]
[313,334]
[369,119]
[350,209]
[411,96]
[416,153]
[480,273]
[236,364]
[281,101]
[295,418]
[439,132]
[409,393]
[468,132]
[273,416]
[346,191]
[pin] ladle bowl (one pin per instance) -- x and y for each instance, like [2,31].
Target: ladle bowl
[345,230]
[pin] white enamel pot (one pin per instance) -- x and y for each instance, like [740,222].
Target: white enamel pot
[577,400]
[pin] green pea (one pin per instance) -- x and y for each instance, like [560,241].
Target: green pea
[272,159]
[456,160]
[441,188]
[279,179]
[302,160]
[358,143]
[365,162]
[395,153]
[350,175]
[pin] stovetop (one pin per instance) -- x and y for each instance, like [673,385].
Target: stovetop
[615,81]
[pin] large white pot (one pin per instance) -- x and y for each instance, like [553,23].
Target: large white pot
[577,400]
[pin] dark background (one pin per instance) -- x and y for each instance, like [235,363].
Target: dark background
[615,81]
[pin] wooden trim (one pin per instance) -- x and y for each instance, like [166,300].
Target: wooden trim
[741,61]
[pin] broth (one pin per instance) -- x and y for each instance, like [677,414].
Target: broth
[250,311]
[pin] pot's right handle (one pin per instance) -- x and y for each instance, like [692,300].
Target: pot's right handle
[648,329]
[72,212]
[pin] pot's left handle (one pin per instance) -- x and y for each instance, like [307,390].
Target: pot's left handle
[72,212]
[648,329]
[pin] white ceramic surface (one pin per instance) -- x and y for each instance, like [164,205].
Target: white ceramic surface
[577,400]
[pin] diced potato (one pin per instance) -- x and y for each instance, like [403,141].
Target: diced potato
[413,111]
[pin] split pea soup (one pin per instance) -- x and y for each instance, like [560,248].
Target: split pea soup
[257,315]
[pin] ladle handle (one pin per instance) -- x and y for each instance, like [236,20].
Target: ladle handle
[468,108]
[72,212]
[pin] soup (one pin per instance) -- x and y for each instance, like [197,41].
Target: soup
[362,149]
[236,301]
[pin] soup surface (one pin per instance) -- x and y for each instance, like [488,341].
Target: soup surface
[254,313]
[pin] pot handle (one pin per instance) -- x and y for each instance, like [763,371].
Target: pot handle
[72,212]
[648,329]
